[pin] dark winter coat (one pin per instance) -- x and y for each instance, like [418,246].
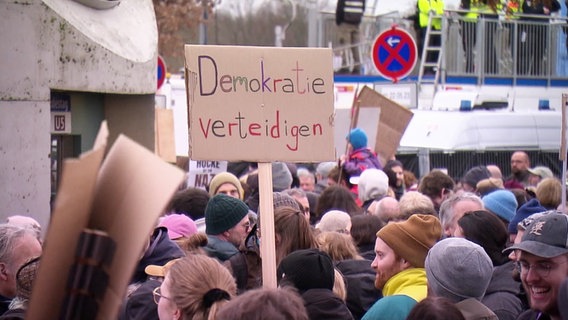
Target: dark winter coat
[324,304]
[360,283]
[502,294]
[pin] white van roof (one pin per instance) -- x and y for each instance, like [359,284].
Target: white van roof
[483,130]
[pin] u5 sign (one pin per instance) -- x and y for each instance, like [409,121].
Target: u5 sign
[394,53]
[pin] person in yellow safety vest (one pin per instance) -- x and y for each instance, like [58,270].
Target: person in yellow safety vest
[488,9]
[425,7]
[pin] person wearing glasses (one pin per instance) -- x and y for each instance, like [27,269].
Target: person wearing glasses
[195,287]
[226,225]
[543,262]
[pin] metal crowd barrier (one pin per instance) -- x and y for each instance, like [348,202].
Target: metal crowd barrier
[505,48]
[522,46]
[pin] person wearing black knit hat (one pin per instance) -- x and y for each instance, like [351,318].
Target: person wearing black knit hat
[311,272]
[226,225]
[473,176]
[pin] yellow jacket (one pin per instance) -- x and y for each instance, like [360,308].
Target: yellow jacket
[424,8]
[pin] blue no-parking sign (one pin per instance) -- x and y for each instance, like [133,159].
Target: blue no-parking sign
[394,53]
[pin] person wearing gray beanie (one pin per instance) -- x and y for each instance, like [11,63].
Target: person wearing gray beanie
[460,270]
[226,226]
[281,177]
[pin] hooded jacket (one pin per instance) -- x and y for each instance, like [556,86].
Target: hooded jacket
[159,252]
[140,304]
[473,309]
[502,294]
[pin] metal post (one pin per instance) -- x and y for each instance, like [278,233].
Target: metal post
[203,24]
[312,24]
[423,161]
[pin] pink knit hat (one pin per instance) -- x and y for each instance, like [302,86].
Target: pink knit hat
[179,225]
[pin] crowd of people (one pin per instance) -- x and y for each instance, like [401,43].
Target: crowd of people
[354,239]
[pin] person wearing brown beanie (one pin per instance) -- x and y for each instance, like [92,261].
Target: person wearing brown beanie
[401,249]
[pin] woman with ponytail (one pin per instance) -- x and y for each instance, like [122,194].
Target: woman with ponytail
[195,287]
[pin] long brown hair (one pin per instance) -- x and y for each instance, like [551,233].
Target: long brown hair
[293,230]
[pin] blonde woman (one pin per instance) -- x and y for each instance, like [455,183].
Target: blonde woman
[194,288]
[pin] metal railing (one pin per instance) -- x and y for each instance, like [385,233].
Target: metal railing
[493,47]
[523,47]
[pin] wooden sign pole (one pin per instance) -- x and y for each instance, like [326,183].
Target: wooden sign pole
[266,209]
[352,124]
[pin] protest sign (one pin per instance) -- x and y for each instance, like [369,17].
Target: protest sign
[271,104]
[392,122]
[260,104]
[121,197]
[202,172]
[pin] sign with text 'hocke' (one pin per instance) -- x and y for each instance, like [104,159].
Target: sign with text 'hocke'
[260,104]
[202,172]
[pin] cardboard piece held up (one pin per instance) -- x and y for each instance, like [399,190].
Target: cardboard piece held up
[122,196]
[273,104]
[164,138]
[393,121]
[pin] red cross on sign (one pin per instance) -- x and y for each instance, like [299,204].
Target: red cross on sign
[394,53]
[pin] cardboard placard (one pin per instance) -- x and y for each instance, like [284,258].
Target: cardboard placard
[164,135]
[260,104]
[122,196]
[393,121]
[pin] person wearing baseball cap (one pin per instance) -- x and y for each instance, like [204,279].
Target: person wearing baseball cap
[543,263]
[401,249]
